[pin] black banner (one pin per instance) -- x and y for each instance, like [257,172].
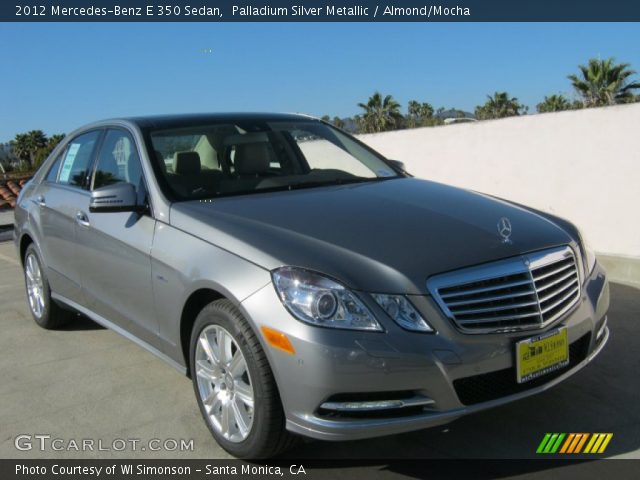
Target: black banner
[321,11]
[318,469]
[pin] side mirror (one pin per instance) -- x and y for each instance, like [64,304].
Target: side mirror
[398,164]
[119,197]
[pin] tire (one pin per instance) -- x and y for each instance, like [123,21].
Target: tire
[222,387]
[46,312]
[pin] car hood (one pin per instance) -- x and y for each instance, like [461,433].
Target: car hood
[384,236]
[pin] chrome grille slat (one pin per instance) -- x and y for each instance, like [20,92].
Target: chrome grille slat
[555,282]
[544,298]
[494,298]
[496,309]
[497,319]
[553,272]
[487,289]
[524,292]
[566,297]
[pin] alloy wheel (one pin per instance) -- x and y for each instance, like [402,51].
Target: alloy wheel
[224,383]
[35,285]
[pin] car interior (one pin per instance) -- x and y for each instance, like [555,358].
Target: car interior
[227,159]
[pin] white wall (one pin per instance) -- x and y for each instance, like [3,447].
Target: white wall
[582,165]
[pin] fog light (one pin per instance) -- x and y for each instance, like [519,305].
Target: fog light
[600,331]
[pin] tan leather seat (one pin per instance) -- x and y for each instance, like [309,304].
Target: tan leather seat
[253,159]
[188,177]
[186,163]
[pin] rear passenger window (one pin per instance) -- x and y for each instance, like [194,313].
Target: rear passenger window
[52,176]
[77,159]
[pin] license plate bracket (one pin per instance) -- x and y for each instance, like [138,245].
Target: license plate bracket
[542,354]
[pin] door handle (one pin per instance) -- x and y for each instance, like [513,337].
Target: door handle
[82,219]
[40,201]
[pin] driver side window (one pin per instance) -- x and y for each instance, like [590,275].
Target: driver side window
[118,161]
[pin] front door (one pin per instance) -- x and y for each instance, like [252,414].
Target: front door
[114,248]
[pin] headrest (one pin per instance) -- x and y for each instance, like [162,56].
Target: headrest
[186,163]
[252,158]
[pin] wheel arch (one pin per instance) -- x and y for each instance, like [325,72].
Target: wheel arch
[196,301]
[25,241]
[194,304]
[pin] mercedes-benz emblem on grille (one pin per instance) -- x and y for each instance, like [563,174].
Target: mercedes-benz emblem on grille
[504,229]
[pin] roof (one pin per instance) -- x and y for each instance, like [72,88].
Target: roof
[168,121]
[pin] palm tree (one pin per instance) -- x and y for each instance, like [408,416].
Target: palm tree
[54,140]
[25,145]
[418,113]
[500,105]
[602,82]
[42,153]
[338,122]
[380,114]
[553,103]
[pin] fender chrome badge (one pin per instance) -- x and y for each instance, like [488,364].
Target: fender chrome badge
[504,229]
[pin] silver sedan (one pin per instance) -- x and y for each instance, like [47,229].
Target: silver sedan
[308,285]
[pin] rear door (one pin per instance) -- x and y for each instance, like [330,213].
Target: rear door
[59,198]
[114,247]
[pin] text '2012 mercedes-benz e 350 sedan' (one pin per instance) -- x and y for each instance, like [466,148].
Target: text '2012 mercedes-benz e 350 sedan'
[308,285]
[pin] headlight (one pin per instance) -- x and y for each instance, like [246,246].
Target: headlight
[318,300]
[589,256]
[402,312]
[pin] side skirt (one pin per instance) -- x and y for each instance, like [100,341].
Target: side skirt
[112,326]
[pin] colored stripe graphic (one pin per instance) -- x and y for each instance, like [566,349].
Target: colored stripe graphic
[607,439]
[599,443]
[543,443]
[555,447]
[567,443]
[581,443]
[550,443]
[573,443]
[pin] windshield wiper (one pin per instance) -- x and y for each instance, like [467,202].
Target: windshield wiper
[328,183]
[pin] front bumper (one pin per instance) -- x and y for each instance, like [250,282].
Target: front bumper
[330,364]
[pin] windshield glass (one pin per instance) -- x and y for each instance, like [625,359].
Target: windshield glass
[249,157]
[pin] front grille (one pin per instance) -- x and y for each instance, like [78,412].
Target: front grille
[524,292]
[502,383]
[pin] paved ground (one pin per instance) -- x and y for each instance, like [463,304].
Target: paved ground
[6,217]
[88,382]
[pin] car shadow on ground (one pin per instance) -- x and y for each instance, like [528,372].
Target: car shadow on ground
[603,397]
[80,323]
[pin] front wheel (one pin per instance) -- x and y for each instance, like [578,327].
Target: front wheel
[234,385]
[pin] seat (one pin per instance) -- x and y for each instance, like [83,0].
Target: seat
[188,177]
[186,163]
[253,159]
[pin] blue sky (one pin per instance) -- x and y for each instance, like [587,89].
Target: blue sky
[56,77]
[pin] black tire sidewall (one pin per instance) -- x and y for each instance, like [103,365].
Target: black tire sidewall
[232,321]
[45,319]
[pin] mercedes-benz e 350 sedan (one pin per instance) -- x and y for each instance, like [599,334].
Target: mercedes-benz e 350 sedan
[308,285]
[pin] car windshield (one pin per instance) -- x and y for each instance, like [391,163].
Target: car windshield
[249,157]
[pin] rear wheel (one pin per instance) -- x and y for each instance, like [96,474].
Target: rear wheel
[234,385]
[44,310]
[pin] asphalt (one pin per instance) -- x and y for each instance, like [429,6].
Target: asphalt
[86,382]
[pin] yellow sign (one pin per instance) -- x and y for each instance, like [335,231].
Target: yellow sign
[540,355]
